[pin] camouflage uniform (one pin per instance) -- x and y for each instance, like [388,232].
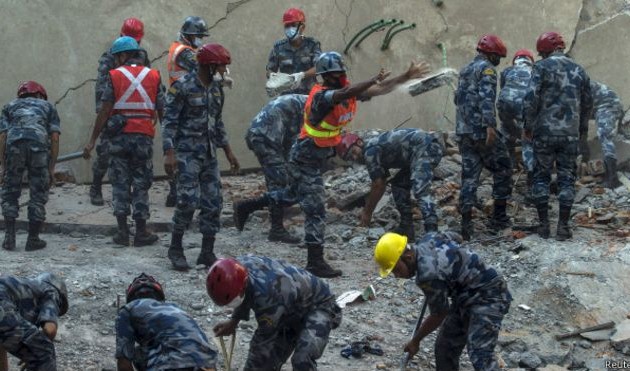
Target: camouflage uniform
[25,305]
[193,121]
[295,312]
[28,124]
[479,300]
[557,110]
[287,59]
[169,338]
[514,84]
[416,153]
[607,111]
[474,99]
[271,135]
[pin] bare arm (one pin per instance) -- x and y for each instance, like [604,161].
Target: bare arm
[99,124]
[124,364]
[355,90]
[309,73]
[377,190]
[416,70]
[54,152]
[430,324]
[4,360]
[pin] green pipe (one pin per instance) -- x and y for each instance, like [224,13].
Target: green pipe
[399,23]
[399,30]
[443,48]
[345,51]
[374,29]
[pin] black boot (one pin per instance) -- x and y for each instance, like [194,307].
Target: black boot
[122,236]
[406,226]
[543,220]
[317,265]
[176,253]
[467,228]
[171,198]
[278,233]
[499,220]
[9,234]
[33,242]
[243,209]
[612,180]
[96,194]
[564,231]
[143,236]
[206,256]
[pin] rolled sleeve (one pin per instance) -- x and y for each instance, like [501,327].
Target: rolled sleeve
[54,122]
[487,95]
[49,309]
[125,339]
[173,108]
[108,90]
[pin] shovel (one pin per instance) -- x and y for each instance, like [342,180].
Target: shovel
[406,357]
[227,356]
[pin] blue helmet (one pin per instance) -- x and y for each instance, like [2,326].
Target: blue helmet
[124,44]
[329,62]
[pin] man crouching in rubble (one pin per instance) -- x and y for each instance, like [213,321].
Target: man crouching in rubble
[294,309]
[169,338]
[29,309]
[444,269]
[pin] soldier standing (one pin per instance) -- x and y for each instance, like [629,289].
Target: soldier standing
[558,107]
[479,144]
[193,127]
[29,141]
[607,111]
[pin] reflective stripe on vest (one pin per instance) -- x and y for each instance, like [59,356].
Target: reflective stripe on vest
[319,133]
[136,85]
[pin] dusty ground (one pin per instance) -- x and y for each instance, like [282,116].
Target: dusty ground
[564,285]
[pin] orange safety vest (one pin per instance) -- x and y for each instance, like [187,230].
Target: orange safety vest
[135,93]
[327,133]
[174,70]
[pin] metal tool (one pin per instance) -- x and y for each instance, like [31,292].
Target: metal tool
[406,356]
[603,326]
[70,156]
[227,356]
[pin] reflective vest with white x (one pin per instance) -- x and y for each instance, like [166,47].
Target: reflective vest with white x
[135,94]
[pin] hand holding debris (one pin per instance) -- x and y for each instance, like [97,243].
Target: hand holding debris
[417,70]
[235,167]
[88,150]
[225,328]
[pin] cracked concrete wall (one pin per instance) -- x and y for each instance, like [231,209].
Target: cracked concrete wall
[60,42]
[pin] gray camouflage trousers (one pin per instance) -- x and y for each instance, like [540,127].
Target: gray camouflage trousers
[606,123]
[512,130]
[21,157]
[273,162]
[477,328]
[131,174]
[101,163]
[269,351]
[198,186]
[563,152]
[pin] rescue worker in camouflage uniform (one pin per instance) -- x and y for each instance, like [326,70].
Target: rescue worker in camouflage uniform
[514,83]
[168,337]
[557,107]
[295,311]
[444,270]
[132,27]
[192,130]
[415,153]
[296,54]
[479,143]
[30,310]
[607,111]
[29,141]
[270,136]
[328,109]
[132,98]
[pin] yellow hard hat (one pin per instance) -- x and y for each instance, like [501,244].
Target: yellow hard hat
[388,250]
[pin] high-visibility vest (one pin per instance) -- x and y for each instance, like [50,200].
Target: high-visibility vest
[135,93]
[174,70]
[327,133]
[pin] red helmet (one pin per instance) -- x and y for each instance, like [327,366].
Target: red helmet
[31,87]
[523,53]
[492,44]
[347,141]
[293,15]
[143,286]
[549,42]
[213,54]
[133,27]
[226,281]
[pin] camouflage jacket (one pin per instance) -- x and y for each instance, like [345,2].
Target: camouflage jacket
[32,119]
[280,294]
[35,301]
[514,83]
[559,101]
[193,116]
[475,97]
[605,99]
[446,270]
[169,337]
[287,59]
[105,64]
[279,122]
[394,149]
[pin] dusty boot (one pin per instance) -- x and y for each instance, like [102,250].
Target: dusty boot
[564,231]
[467,228]
[171,198]
[406,227]
[543,221]
[278,233]
[143,236]
[612,180]
[317,265]
[206,256]
[9,234]
[33,242]
[243,209]
[96,194]
[122,236]
[176,253]
[499,220]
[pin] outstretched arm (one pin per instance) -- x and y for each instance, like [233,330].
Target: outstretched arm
[416,70]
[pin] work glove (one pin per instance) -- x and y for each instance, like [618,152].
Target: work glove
[297,79]
[584,149]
